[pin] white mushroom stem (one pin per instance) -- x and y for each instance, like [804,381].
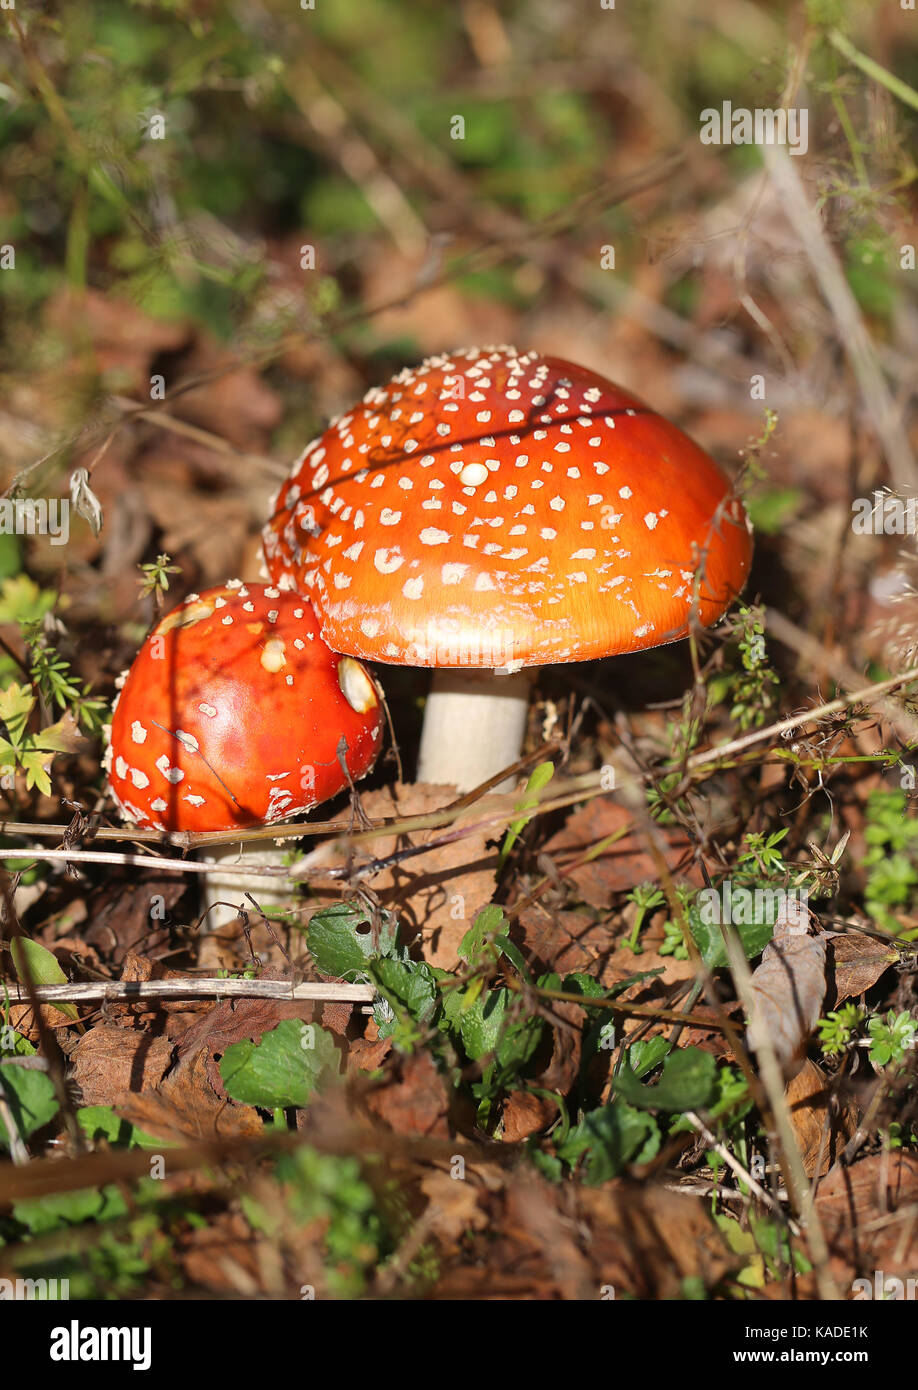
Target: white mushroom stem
[474,726]
[225,889]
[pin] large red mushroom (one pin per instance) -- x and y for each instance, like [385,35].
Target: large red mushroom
[491,511]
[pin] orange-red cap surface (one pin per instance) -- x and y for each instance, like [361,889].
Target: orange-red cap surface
[493,509]
[232,713]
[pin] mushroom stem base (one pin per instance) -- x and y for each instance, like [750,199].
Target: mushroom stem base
[232,878]
[474,726]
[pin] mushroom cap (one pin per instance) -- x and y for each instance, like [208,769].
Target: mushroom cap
[232,713]
[494,509]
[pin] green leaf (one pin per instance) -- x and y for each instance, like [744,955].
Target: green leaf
[480,1026]
[540,778]
[581,983]
[338,945]
[609,1138]
[688,1081]
[61,1209]
[283,1068]
[34,962]
[16,704]
[489,922]
[29,1094]
[35,764]
[101,1122]
[646,1054]
[410,984]
[754,937]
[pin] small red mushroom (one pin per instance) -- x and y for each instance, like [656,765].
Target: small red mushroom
[232,714]
[497,510]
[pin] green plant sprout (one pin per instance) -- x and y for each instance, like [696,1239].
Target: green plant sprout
[155,579]
[750,685]
[646,898]
[539,778]
[30,751]
[891,1038]
[55,683]
[837,1029]
[891,860]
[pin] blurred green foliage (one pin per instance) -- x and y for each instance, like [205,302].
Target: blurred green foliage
[283,126]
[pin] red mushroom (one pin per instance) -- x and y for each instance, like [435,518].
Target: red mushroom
[496,510]
[232,715]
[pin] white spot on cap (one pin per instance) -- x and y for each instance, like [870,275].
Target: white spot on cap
[138,732]
[356,686]
[389,518]
[431,536]
[171,774]
[273,657]
[413,588]
[451,574]
[624,492]
[473,474]
[209,710]
[388,560]
[650,520]
[557,504]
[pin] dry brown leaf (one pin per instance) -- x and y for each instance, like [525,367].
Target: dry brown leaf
[525,1114]
[789,987]
[648,1240]
[555,1234]
[413,1098]
[219,1256]
[120,915]
[123,340]
[110,1061]
[855,963]
[184,1105]
[22,1019]
[868,1216]
[818,1128]
[453,1205]
[624,863]
[366,1054]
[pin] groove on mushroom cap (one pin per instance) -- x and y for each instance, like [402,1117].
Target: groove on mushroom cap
[499,509]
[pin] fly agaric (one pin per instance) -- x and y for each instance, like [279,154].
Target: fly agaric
[232,715]
[490,511]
